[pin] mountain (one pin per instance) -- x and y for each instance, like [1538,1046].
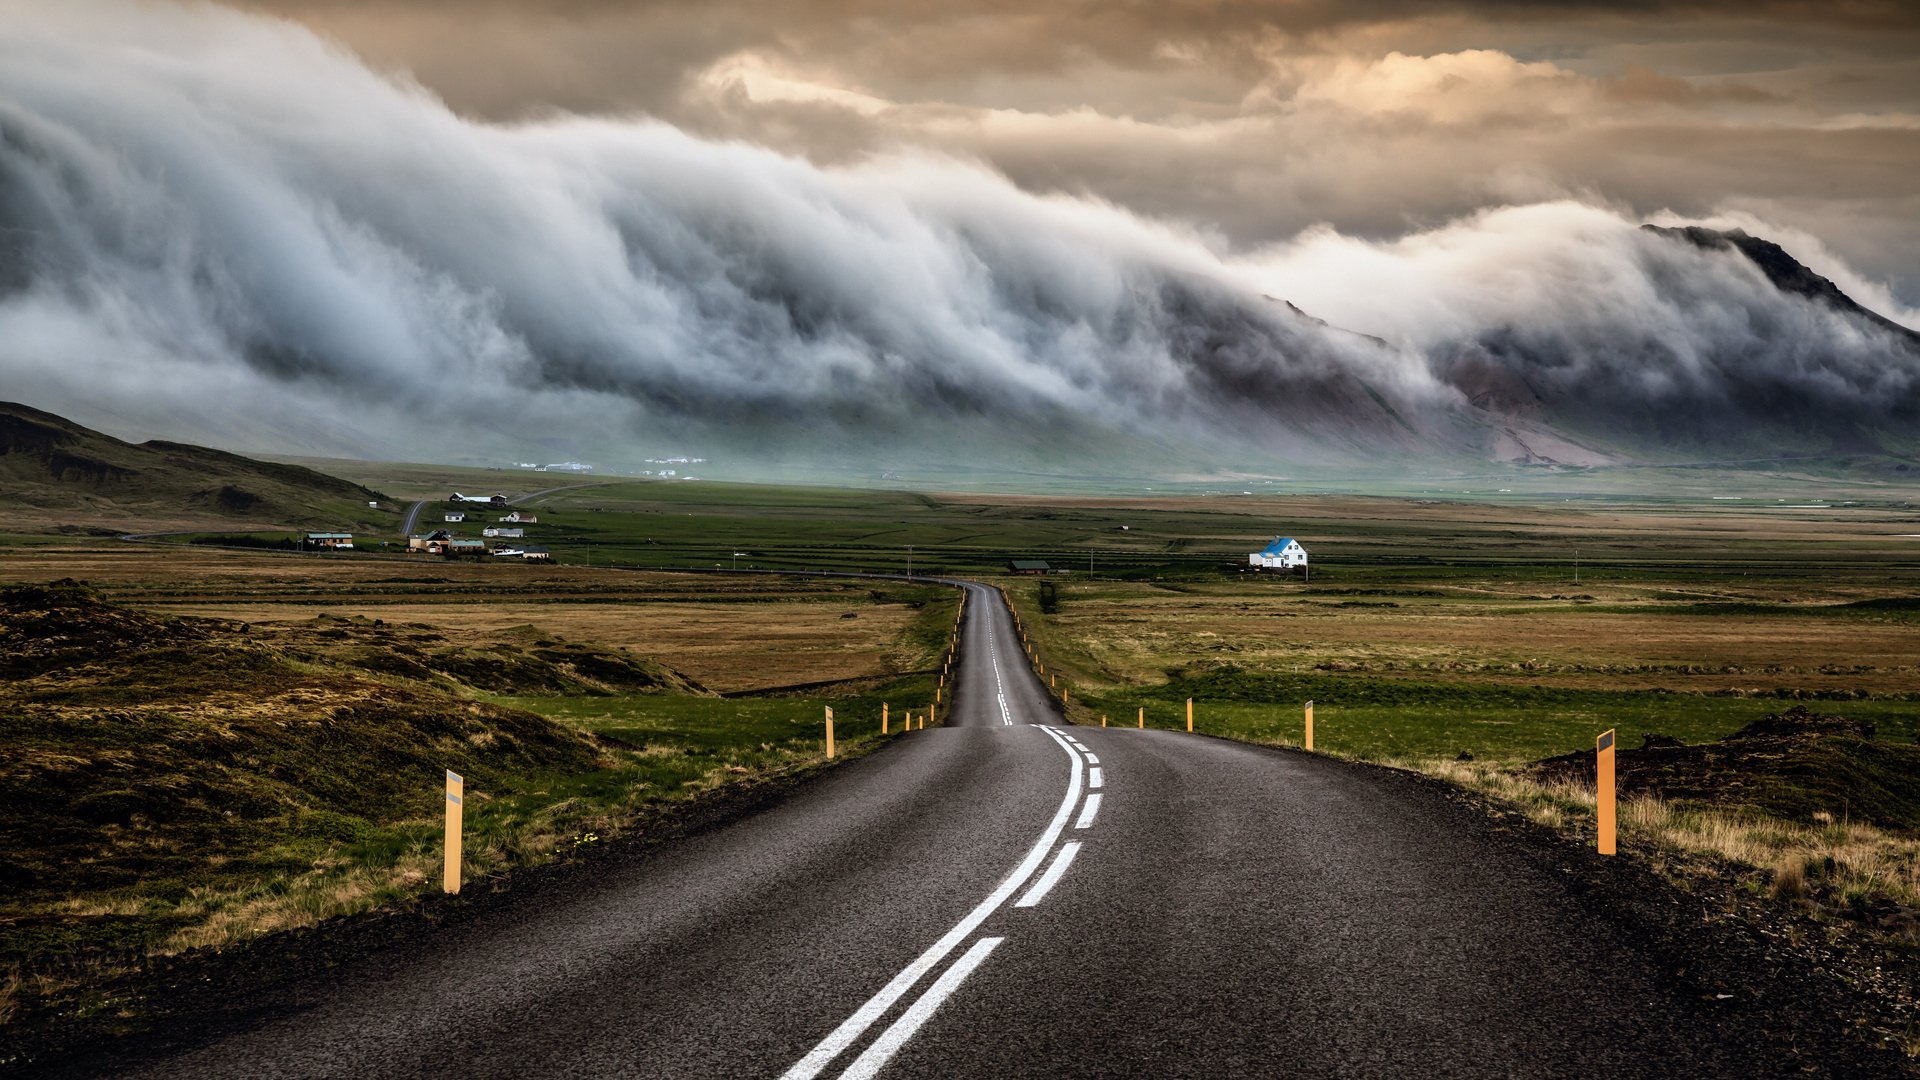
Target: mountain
[1732,349]
[1786,272]
[56,473]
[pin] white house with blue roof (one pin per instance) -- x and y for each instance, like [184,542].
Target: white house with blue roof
[1285,553]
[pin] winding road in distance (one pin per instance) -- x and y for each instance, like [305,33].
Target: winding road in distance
[1010,897]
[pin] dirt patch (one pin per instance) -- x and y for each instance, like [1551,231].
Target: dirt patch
[1796,765]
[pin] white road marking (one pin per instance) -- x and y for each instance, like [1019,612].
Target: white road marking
[999,685]
[864,1017]
[1093,777]
[1052,877]
[1092,758]
[1087,811]
[891,1040]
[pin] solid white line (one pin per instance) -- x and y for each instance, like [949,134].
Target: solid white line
[863,1018]
[891,1040]
[1093,777]
[1052,877]
[1090,808]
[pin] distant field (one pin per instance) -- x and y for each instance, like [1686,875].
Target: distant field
[1497,667]
[730,633]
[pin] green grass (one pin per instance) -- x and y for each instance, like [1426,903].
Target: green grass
[731,730]
[1405,719]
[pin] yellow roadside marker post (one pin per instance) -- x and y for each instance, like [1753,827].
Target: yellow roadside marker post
[1604,793]
[1053,682]
[456,797]
[1309,725]
[883,718]
[1143,716]
[1103,719]
[1189,714]
[829,731]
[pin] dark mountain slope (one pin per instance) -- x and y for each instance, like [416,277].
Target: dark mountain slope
[1788,274]
[55,471]
[1717,366]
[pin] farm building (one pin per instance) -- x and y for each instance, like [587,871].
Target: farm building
[334,541]
[464,547]
[504,534]
[1285,553]
[523,519]
[507,551]
[432,543]
[537,554]
[456,516]
[1028,566]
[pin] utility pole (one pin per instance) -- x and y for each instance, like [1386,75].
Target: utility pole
[909,562]
[1576,566]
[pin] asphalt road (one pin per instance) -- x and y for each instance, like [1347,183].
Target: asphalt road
[1008,897]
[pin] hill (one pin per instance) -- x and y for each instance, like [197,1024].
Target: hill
[59,475]
[146,755]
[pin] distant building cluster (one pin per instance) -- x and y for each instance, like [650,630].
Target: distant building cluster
[510,526]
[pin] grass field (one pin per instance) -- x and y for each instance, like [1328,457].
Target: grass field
[1495,667]
[215,745]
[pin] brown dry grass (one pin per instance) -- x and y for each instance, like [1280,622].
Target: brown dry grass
[1487,631]
[720,630]
[1832,863]
[725,647]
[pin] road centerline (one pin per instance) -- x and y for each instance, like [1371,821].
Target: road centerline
[869,1063]
[1053,875]
[856,1025]
[1088,809]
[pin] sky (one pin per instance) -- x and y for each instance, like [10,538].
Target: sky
[1299,231]
[1249,120]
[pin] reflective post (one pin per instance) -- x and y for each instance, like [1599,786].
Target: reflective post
[1604,791]
[456,797]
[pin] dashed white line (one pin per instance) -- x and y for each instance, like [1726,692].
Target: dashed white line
[868,1064]
[1092,758]
[1052,877]
[864,1017]
[1090,808]
[1093,777]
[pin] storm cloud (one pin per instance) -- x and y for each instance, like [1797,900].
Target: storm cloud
[222,224]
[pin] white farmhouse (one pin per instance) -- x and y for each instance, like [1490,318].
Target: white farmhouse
[1285,553]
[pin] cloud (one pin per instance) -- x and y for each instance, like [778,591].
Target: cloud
[220,222]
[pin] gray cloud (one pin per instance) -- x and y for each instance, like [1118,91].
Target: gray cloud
[214,216]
